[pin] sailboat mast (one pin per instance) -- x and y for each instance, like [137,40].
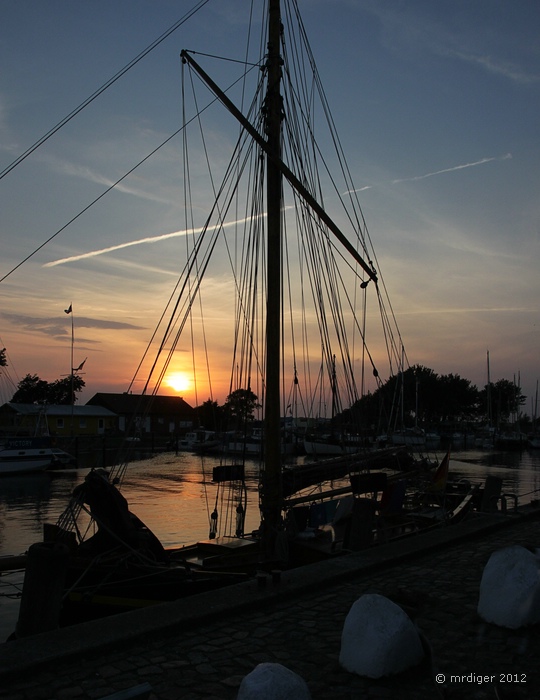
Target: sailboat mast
[490,416]
[272,494]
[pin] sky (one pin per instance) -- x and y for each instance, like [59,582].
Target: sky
[436,105]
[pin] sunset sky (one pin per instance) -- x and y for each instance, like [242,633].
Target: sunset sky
[437,107]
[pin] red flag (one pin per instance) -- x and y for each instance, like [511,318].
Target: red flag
[441,476]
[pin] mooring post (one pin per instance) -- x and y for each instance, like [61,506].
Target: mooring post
[43,588]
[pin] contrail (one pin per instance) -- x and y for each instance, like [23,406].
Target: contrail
[437,172]
[149,239]
[102,251]
[450,170]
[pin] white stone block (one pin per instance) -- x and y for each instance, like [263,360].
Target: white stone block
[270,681]
[379,639]
[510,588]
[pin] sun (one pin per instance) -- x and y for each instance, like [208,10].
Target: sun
[178,381]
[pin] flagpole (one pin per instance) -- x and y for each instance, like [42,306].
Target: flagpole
[71,368]
[69,311]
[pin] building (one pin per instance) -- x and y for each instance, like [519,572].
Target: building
[62,421]
[138,415]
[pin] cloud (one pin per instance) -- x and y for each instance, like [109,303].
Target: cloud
[6,142]
[56,329]
[139,267]
[507,70]
[464,310]
[432,29]
[86,173]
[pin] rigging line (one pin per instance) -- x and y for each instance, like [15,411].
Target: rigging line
[332,294]
[244,62]
[189,214]
[361,225]
[190,220]
[106,191]
[111,187]
[241,164]
[240,256]
[232,188]
[326,110]
[218,227]
[215,208]
[189,224]
[104,87]
[286,172]
[328,289]
[188,266]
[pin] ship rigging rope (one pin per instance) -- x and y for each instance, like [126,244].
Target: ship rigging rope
[300,132]
[104,87]
[107,190]
[316,246]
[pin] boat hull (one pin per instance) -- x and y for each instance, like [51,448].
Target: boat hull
[327,449]
[24,466]
[23,455]
[110,590]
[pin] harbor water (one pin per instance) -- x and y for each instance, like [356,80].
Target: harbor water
[174,495]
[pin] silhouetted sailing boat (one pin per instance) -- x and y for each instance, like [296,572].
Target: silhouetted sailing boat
[281,247]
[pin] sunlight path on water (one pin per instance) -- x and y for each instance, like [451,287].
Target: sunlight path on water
[174,495]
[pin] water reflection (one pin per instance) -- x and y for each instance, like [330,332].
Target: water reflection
[520,471]
[174,494]
[24,501]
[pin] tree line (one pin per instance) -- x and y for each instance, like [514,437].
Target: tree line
[418,396]
[61,392]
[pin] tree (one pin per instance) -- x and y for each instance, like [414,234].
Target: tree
[240,405]
[428,399]
[209,415]
[459,399]
[3,361]
[63,391]
[32,389]
[502,401]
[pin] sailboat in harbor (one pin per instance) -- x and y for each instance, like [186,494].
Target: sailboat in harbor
[274,234]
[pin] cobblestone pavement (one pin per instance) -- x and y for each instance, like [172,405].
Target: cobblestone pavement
[439,590]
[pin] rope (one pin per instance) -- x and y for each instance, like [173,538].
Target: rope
[102,89]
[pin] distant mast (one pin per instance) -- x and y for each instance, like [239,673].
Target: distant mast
[490,417]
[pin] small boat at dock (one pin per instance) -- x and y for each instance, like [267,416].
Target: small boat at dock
[24,455]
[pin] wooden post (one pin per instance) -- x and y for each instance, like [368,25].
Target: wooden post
[43,588]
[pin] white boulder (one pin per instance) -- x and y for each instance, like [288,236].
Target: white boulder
[379,639]
[510,588]
[270,681]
